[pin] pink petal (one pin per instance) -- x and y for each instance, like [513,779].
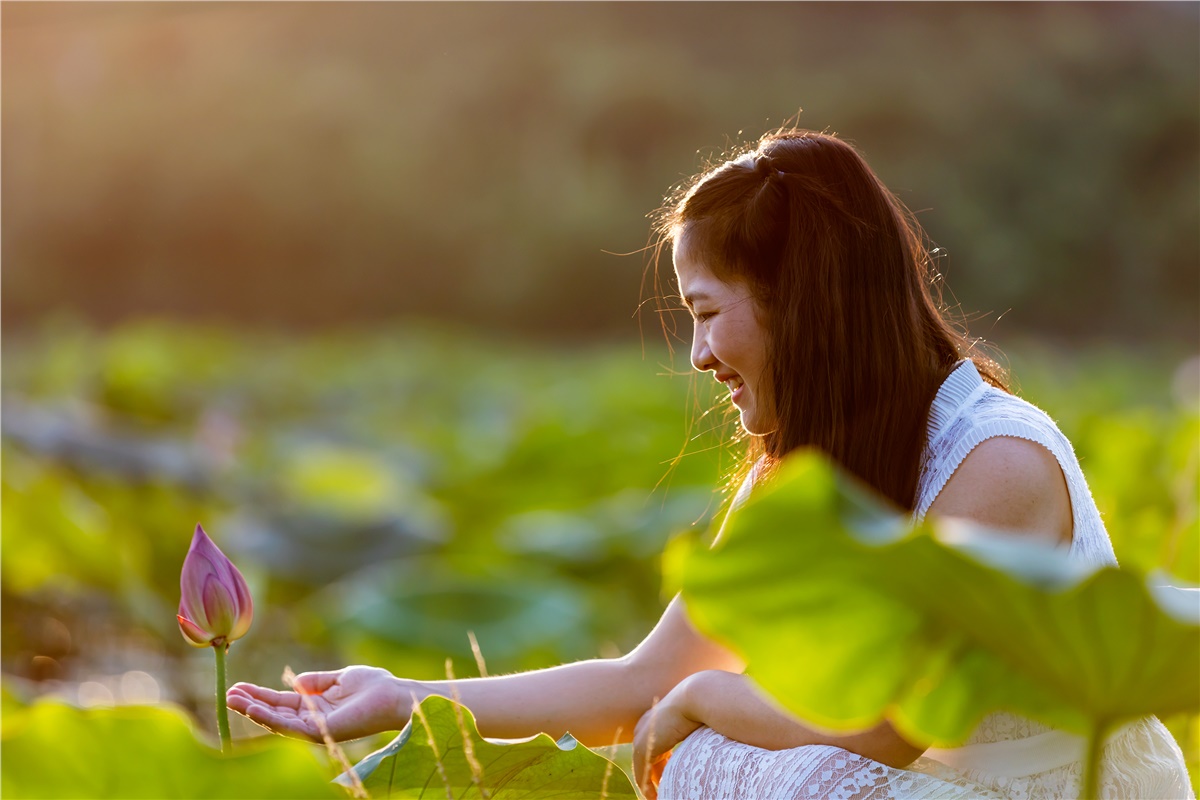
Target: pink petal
[195,637]
[196,571]
[219,611]
[242,623]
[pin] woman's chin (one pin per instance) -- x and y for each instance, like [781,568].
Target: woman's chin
[751,423]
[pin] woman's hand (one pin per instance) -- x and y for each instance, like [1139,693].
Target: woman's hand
[665,725]
[354,702]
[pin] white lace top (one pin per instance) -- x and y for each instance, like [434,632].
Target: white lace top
[1007,756]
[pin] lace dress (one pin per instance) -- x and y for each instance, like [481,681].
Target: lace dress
[1007,756]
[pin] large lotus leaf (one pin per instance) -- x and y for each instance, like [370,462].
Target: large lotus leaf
[846,613]
[529,769]
[52,750]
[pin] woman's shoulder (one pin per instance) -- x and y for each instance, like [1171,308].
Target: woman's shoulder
[1009,483]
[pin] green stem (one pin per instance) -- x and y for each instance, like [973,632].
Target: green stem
[1091,764]
[222,711]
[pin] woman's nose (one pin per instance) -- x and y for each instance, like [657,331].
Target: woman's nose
[702,357]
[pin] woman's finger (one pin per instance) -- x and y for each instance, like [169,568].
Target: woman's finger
[642,769]
[316,682]
[262,694]
[650,790]
[649,776]
[238,701]
[656,770]
[287,724]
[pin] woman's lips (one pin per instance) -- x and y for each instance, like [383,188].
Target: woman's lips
[735,386]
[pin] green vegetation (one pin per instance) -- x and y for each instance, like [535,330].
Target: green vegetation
[387,491]
[52,750]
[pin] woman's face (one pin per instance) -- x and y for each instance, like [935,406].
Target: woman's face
[727,338]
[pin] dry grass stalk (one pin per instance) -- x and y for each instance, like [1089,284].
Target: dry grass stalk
[335,751]
[468,746]
[650,741]
[608,770]
[475,651]
[437,757]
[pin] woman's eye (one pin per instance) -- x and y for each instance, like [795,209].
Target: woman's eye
[705,316]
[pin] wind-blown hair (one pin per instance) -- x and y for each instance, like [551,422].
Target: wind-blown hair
[843,282]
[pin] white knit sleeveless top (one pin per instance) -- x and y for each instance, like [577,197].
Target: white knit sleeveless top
[967,411]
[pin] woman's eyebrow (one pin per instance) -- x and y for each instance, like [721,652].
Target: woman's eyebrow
[690,299]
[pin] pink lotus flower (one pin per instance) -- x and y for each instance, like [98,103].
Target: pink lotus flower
[215,607]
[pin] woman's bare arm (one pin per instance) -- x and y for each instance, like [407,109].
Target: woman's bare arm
[1010,484]
[594,700]
[591,699]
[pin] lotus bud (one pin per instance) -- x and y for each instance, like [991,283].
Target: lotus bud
[215,606]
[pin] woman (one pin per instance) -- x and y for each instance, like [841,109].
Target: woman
[809,288]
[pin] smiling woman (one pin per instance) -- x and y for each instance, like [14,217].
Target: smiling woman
[728,339]
[809,288]
[839,277]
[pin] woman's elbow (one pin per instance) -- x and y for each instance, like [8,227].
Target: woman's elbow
[646,678]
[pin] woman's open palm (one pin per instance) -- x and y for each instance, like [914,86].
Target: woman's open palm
[353,702]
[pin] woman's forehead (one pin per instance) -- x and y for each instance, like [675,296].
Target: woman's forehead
[684,252]
[688,268]
[697,282]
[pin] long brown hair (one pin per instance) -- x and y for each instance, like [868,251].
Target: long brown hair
[843,283]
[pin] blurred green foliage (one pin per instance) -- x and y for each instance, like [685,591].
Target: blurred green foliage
[385,491]
[52,750]
[317,163]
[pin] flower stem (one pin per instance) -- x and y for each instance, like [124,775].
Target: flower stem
[1091,764]
[222,711]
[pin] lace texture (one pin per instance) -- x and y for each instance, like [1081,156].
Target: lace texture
[710,766]
[1141,761]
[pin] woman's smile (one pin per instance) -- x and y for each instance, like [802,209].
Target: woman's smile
[734,384]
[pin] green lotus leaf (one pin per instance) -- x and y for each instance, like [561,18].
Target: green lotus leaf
[429,759]
[53,750]
[846,613]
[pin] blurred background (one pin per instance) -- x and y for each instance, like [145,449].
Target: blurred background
[318,164]
[357,287]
